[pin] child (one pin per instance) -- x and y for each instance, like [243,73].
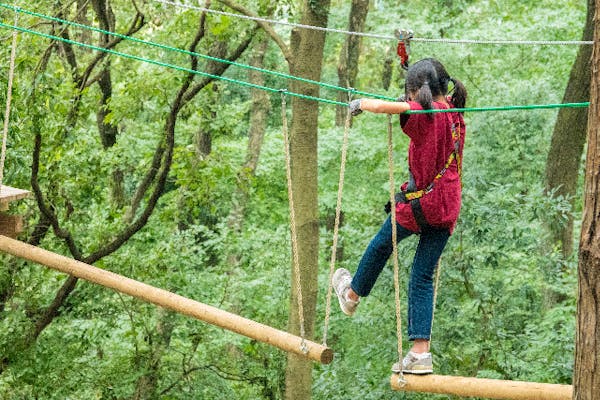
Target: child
[428,205]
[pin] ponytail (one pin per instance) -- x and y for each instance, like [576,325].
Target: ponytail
[459,94]
[425,97]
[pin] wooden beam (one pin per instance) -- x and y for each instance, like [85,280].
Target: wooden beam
[484,388]
[8,194]
[10,225]
[226,320]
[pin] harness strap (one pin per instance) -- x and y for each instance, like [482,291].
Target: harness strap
[417,210]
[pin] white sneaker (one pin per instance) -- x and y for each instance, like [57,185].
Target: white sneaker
[341,284]
[415,363]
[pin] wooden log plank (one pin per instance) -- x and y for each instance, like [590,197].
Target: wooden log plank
[480,387]
[9,194]
[226,320]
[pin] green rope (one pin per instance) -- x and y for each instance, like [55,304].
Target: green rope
[191,53]
[501,108]
[273,90]
[167,65]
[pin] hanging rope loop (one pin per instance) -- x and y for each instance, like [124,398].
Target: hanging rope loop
[395,246]
[338,212]
[294,234]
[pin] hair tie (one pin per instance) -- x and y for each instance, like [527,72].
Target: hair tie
[426,83]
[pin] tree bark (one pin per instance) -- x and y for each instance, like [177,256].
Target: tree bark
[568,138]
[586,379]
[348,61]
[307,49]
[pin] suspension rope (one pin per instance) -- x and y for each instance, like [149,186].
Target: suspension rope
[296,259]
[438,270]
[401,380]
[183,4]
[273,90]
[336,227]
[11,74]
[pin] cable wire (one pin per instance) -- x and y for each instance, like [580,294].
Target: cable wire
[186,5]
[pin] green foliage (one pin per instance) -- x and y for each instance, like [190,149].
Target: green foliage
[507,301]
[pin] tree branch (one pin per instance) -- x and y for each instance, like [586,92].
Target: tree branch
[155,165]
[219,69]
[137,24]
[44,208]
[285,50]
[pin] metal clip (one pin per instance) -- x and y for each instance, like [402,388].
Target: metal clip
[404,36]
[303,347]
[401,381]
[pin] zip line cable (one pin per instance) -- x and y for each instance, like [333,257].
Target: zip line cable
[274,90]
[186,5]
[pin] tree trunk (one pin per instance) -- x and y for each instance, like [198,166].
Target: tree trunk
[307,47]
[586,378]
[568,139]
[348,62]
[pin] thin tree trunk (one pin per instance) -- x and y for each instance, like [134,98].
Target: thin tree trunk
[568,139]
[258,122]
[307,47]
[159,341]
[108,131]
[586,379]
[348,61]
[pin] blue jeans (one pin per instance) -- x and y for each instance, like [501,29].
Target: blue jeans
[420,285]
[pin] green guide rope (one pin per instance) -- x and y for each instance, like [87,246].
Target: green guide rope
[236,81]
[191,53]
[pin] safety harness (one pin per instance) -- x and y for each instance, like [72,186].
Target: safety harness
[412,196]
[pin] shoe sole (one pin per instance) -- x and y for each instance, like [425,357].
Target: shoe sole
[344,310]
[418,371]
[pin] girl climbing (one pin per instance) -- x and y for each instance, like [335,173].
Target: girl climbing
[428,204]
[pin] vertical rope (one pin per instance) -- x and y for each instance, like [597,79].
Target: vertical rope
[401,380]
[296,261]
[438,269]
[11,73]
[338,211]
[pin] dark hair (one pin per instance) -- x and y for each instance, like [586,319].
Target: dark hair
[429,78]
[421,78]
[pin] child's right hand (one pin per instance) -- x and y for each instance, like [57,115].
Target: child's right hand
[354,107]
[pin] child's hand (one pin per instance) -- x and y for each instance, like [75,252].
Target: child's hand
[354,107]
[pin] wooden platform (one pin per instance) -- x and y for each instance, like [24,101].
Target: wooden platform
[9,194]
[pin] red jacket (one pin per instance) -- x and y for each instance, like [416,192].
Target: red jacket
[430,147]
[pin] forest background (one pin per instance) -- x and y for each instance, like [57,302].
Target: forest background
[507,300]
